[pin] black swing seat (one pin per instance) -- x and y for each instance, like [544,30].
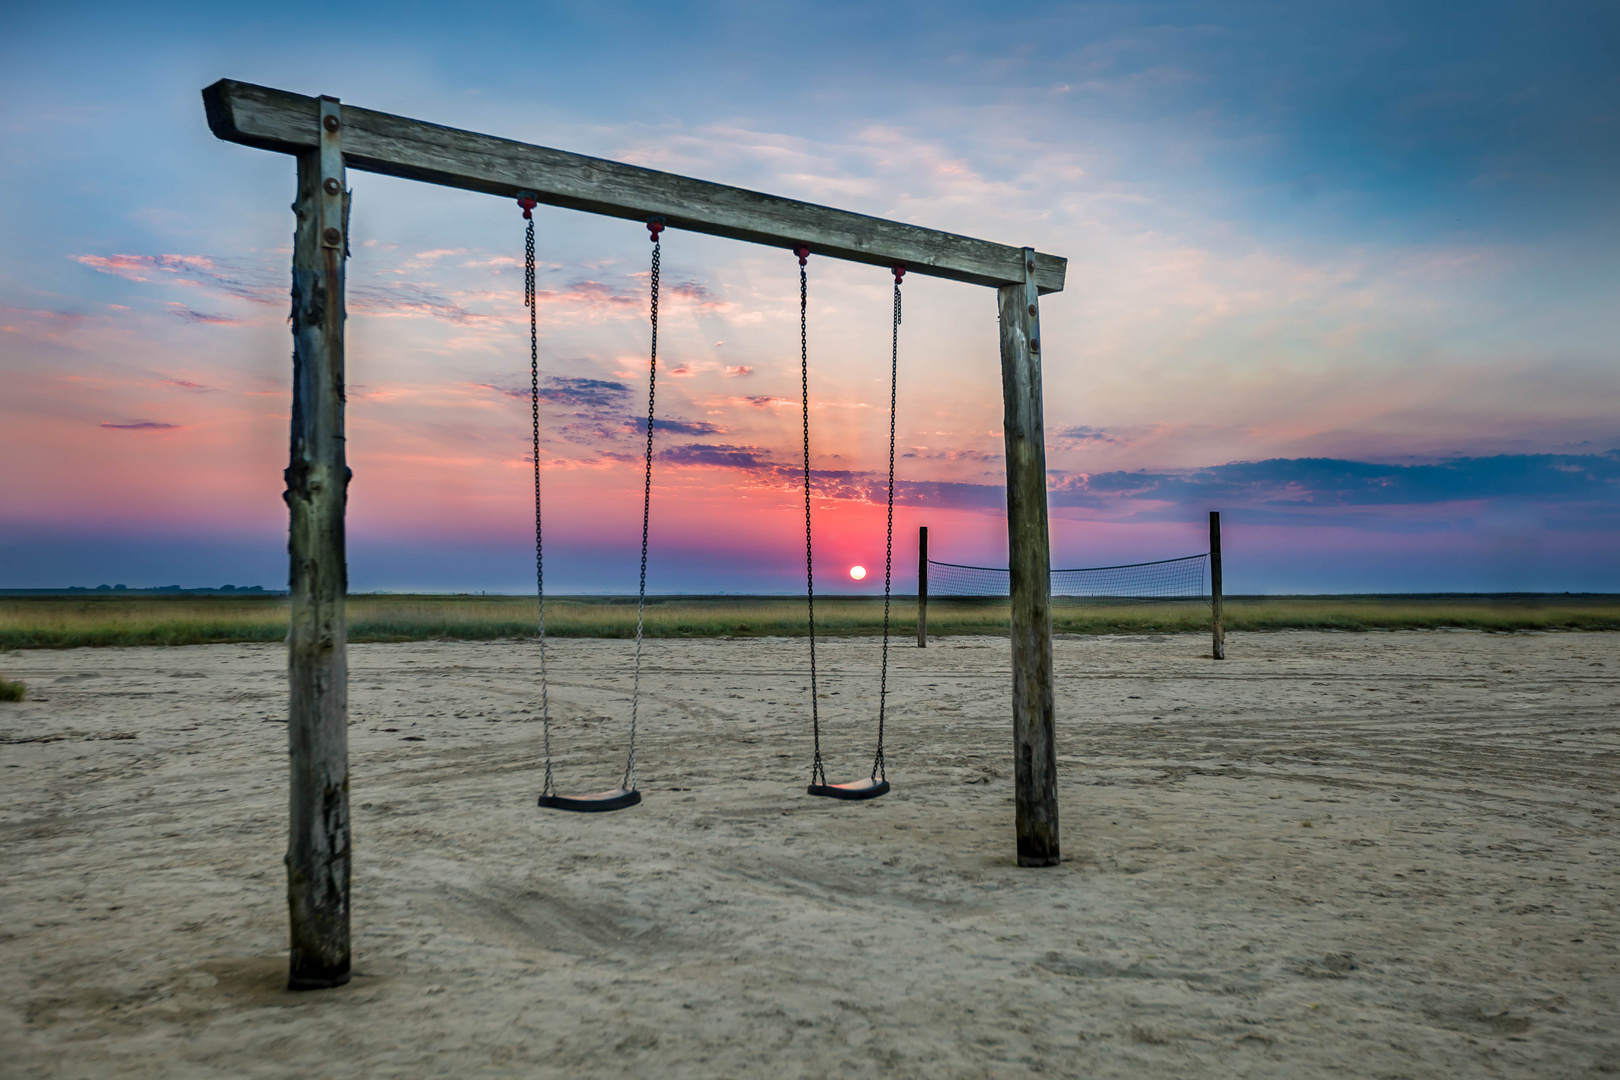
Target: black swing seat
[870,788]
[600,802]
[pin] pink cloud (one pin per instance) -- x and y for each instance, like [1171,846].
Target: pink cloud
[40,313]
[697,294]
[757,401]
[591,294]
[497,263]
[140,425]
[38,323]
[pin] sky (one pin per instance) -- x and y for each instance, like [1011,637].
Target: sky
[1344,272]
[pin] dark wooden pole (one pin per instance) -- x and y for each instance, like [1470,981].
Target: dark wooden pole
[1217,613]
[1034,741]
[318,855]
[922,587]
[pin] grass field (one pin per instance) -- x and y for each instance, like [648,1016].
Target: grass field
[67,622]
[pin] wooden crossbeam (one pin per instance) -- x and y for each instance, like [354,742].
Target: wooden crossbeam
[397,146]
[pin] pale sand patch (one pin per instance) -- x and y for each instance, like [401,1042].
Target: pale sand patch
[1448,910]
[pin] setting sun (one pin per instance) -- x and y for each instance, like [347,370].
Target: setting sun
[857,572]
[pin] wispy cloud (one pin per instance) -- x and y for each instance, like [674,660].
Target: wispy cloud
[696,294]
[69,317]
[584,393]
[678,427]
[234,277]
[573,391]
[1330,482]
[1324,488]
[923,453]
[410,299]
[762,470]
[593,295]
[181,311]
[754,401]
[1076,436]
[429,257]
[718,455]
[140,425]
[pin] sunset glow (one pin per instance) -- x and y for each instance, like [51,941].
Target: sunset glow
[1364,313]
[857,572]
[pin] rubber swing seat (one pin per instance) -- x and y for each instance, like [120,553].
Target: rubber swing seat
[598,803]
[870,788]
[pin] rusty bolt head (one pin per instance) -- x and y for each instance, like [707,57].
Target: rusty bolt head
[332,186]
[1031,265]
[331,123]
[1034,345]
[332,236]
[1032,311]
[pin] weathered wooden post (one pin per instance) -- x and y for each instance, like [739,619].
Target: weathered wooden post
[922,587]
[1217,612]
[1029,560]
[318,856]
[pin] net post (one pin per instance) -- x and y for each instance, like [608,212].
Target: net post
[1029,573]
[922,586]
[1217,612]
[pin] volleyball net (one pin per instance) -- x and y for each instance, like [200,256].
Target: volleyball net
[1162,581]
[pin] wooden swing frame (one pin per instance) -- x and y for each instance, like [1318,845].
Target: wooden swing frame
[327,138]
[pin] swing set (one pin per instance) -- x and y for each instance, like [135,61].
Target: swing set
[326,138]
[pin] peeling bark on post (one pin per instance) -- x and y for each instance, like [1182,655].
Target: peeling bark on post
[1034,741]
[318,854]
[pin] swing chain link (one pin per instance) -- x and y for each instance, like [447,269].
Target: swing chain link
[818,772]
[879,769]
[629,783]
[549,788]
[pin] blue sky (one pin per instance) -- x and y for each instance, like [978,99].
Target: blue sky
[1340,270]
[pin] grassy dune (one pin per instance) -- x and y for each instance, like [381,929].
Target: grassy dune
[66,622]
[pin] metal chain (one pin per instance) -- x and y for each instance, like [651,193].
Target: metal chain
[878,768]
[818,772]
[549,787]
[629,783]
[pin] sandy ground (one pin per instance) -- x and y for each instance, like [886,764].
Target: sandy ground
[1379,855]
